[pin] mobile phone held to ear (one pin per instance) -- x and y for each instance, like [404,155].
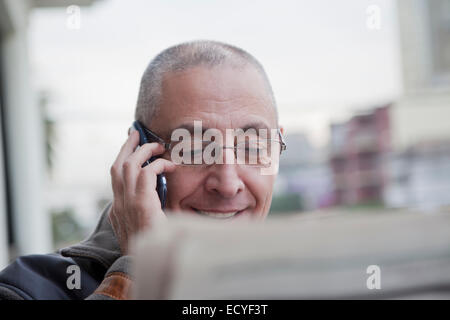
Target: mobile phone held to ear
[161,184]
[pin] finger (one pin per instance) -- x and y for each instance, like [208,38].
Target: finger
[147,179]
[160,166]
[127,148]
[145,152]
[116,168]
[116,181]
[133,163]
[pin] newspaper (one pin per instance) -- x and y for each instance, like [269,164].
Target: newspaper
[401,255]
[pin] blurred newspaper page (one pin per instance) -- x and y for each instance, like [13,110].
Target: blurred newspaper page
[402,255]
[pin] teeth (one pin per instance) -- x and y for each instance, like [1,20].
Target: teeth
[217,215]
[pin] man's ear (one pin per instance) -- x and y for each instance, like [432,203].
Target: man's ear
[282,130]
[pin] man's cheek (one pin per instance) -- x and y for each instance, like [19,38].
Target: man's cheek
[179,187]
[261,188]
[173,193]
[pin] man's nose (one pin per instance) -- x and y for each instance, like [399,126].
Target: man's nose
[224,179]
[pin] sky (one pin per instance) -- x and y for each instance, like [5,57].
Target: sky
[322,59]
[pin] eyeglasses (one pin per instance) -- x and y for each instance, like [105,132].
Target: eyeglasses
[248,150]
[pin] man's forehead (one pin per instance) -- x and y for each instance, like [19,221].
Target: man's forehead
[194,125]
[219,98]
[220,83]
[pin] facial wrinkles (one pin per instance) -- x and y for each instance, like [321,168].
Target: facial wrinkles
[232,120]
[211,106]
[219,105]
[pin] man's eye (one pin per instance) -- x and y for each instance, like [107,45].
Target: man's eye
[195,152]
[252,150]
[191,152]
[255,145]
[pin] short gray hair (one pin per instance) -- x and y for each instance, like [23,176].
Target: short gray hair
[184,56]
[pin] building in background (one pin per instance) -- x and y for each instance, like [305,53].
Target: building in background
[422,112]
[304,181]
[24,221]
[399,156]
[420,177]
[358,149]
[419,165]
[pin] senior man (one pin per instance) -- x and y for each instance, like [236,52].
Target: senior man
[217,85]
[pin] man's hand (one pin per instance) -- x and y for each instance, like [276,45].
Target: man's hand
[136,205]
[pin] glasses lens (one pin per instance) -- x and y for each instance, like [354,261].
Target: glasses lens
[251,152]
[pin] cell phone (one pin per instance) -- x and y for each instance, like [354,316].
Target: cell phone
[161,184]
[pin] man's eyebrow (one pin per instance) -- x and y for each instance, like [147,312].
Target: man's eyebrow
[257,125]
[253,125]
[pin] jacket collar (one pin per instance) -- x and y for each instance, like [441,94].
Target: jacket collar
[101,245]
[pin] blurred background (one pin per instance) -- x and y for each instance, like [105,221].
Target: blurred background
[363,90]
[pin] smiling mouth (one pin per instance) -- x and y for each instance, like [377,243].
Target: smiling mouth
[216,214]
